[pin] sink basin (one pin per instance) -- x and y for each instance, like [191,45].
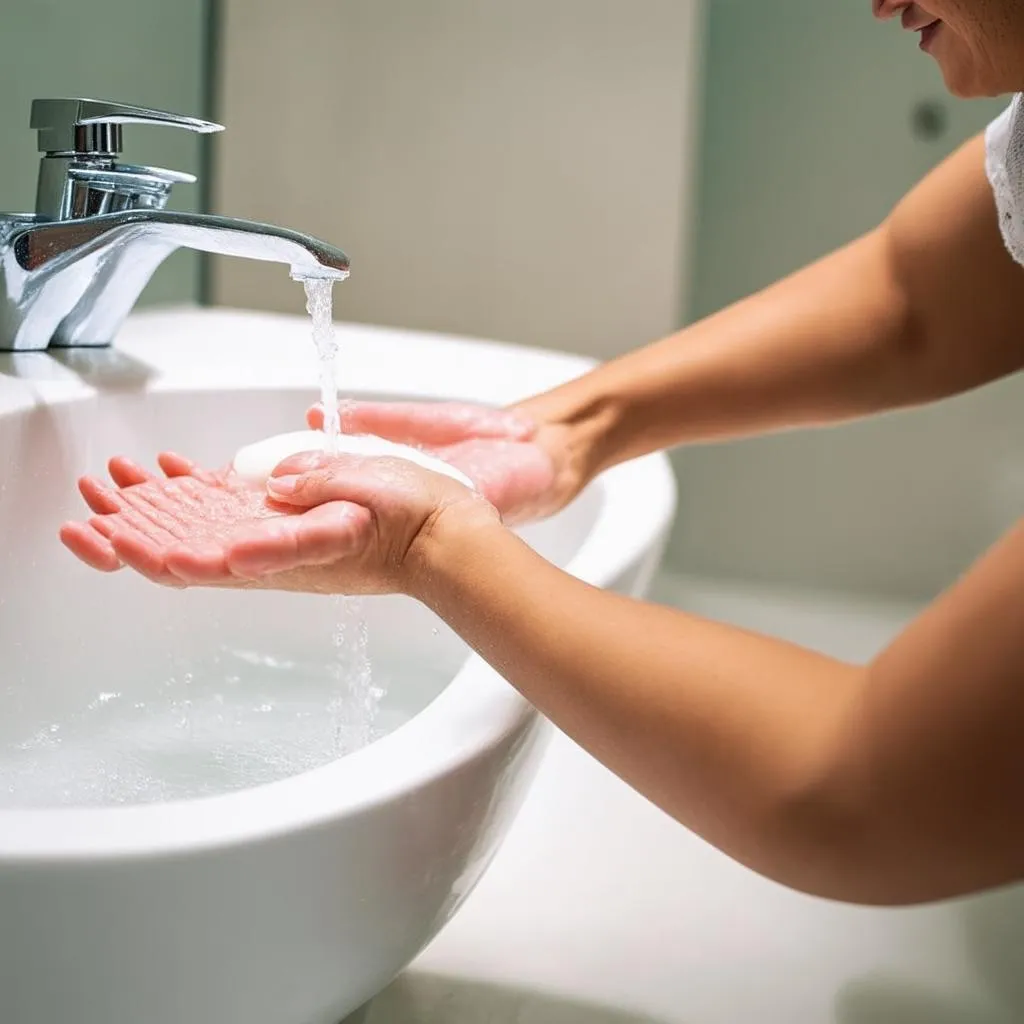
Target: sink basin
[181,839]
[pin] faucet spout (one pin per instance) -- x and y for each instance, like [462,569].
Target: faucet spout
[73,282]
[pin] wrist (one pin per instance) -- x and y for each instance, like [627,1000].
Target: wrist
[448,544]
[577,423]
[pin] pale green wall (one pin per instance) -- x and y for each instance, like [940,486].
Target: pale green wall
[807,138]
[136,52]
[806,143]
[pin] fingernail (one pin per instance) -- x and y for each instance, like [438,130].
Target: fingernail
[283,484]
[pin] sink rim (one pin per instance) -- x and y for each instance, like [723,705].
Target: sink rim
[475,711]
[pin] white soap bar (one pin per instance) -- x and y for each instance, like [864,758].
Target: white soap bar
[255,462]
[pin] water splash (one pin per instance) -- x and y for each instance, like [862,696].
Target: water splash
[356,701]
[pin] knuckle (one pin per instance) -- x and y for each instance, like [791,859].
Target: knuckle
[316,481]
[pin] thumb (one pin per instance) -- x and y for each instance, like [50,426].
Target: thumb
[313,479]
[301,462]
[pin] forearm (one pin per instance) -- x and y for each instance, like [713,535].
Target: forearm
[727,731]
[893,783]
[820,346]
[924,307]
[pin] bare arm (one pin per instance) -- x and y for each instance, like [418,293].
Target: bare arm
[926,306]
[898,782]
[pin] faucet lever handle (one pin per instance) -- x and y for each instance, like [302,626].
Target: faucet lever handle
[93,127]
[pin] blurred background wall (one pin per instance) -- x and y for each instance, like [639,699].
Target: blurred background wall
[581,174]
[816,120]
[519,171]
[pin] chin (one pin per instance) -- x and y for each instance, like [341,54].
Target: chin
[964,84]
[965,80]
[961,90]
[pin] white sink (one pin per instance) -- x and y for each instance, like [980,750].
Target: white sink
[289,901]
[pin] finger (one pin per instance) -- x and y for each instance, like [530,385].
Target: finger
[318,537]
[138,552]
[301,462]
[331,532]
[126,473]
[89,546]
[174,465]
[315,417]
[103,525]
[338,478]
[199,563]
[99,497]
[427,423]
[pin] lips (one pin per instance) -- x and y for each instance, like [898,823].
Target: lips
[914,20]
[928,35]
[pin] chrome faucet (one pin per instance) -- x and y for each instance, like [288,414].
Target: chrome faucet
[71,272]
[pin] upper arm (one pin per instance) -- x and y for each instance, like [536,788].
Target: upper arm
[931,753]
[929,760]
[963,291]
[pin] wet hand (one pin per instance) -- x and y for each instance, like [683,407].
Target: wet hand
[524,469]
[324,524]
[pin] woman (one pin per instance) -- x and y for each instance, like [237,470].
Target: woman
[896,782]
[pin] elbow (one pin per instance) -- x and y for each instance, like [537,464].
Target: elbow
[909,354]
[838,839]
[833,835]
[826,850]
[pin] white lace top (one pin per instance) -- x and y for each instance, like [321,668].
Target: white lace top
[1004,165]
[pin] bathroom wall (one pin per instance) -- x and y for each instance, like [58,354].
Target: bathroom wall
[513,170]
[151,54]
[807,141]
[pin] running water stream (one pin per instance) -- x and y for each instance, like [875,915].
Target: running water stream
[320,306]
[355,704]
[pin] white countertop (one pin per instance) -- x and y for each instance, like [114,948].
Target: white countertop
[600,909]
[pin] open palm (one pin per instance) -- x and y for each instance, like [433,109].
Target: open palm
[323,524]
[176,530]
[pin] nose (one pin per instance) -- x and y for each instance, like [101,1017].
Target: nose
[886,9]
